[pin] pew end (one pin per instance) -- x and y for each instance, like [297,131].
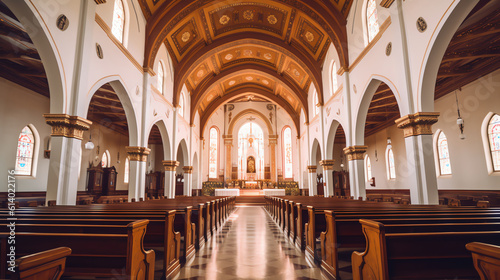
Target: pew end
[486,258]
[375,253]
[48,264]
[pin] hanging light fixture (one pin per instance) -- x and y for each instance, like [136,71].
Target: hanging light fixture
[89,145]
[460,121]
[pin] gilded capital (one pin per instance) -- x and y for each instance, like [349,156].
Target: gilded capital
[273,139]
[188,169]
[311,168]
[170,165]
[417,124]
[355,152]
[228,139]
[327,164]
[138,153]
[67,126]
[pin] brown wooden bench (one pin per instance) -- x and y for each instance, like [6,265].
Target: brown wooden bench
[94,255]
[486,259]
[44,265]
[418,255]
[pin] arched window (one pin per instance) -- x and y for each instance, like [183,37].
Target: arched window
[391,167]
[371,20]
[315,104]
[126,173]
[118,20]
[287,152]
[212,152]
[105,159]
[368,168]
[181,104]
[25,152]
[494,141]
[443,154]
[334,78]
[161,77]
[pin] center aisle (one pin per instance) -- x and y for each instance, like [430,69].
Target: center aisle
[249,246]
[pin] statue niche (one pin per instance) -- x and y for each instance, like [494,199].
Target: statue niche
[250,164]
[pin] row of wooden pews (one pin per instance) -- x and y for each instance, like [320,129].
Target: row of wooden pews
[427,241]
[112,240]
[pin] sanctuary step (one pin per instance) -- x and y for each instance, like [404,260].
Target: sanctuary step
[250,200]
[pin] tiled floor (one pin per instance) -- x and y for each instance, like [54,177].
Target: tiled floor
[249,246]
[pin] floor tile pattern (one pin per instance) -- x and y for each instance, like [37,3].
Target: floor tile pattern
[249,246]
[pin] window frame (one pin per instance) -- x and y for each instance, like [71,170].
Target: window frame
[181,105]
[369,176]
[161,79]
[368,40]
[124,21]
[217,151]
[388,151]
[335,86]
[284,151]
[36,150]
[487,145]
[437,159]
[126,171]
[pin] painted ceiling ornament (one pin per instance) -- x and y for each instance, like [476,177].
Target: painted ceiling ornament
[228,56]
[200,73]
[272,19]
[185,36]
[266,82]
[248,15]
[249,78]
[296,72]
[309,36]
[268,56]
[247,52]
[224,19]
[232,82]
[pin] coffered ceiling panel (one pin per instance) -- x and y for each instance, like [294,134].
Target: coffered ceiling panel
[248,53]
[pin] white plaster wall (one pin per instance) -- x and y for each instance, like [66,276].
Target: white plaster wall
[20,107]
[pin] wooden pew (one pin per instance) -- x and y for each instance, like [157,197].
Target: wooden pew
[95,255]
[486,259]
[48,264]
[417,255]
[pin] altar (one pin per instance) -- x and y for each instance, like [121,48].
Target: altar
[227,192]
[274,192]
[251,185]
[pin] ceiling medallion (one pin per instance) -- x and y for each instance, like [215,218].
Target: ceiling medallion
[309,36]
[185,36]
[98,50]
[224,19]
[62,22]
[421,24]
[200,73]
[268,56]
[248,15]
[232,82]
[228,56]
[249,78]
[296,72]
[388,49]
[266,82]
[247,52]
[272,19]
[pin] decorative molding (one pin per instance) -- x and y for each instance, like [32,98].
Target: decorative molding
[311,168]
[418,123]
[188,169]
[118,44]
[100,2]
[273,139]
[327,164]
[228,140]
[386,3]
[137,153]
[342,70]
[355,152]
[67,126]
[368,47]
[170,165]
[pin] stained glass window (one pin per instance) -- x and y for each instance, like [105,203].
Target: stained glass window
[334,78]
[161,77]
[212,157]
[105,159]
[368,168]
[127,170]
[315,103]
[494,139]
[371,19]
[444,154]
[24,155]
[181,104]
[118,20]
[391,167]
[250,143]
[287,152]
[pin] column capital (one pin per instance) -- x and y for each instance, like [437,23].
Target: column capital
[311,168]
[170,165]
[273,139]
[137,153]
[417,124]
[327,164]
[228,139]
[67,126]
[355,152]
[188,169]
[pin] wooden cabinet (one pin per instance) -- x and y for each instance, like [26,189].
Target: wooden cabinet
[94,179]
[341,186]
[109,180]
[151,184]
[179,184]
[319,184]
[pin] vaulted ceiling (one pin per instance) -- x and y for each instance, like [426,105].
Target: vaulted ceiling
[221,50]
